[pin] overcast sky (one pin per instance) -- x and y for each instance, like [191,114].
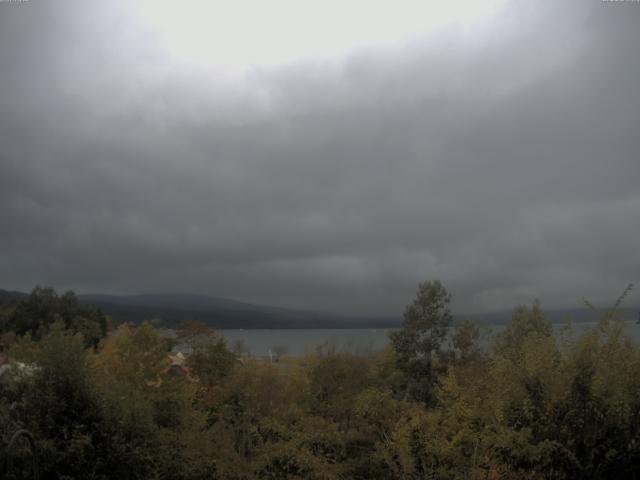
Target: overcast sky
[321,160]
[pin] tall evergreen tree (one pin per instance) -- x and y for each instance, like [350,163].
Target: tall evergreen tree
[426,324]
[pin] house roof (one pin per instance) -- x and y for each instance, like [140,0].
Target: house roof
[178,359]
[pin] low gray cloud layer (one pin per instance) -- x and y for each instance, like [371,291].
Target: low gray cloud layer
[505,163]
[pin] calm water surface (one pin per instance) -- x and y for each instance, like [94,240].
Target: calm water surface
[298,342]
[361,340]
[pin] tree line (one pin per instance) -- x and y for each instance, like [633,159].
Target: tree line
[534,401]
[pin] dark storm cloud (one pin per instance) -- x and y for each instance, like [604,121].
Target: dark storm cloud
[504,162]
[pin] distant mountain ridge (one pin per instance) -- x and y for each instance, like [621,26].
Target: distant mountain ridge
[10,296]
[222,313]
[185,301]
[172,308]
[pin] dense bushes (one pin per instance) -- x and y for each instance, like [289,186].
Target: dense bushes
[533,403]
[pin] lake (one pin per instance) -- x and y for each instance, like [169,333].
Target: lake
[358,340]
[298,342]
